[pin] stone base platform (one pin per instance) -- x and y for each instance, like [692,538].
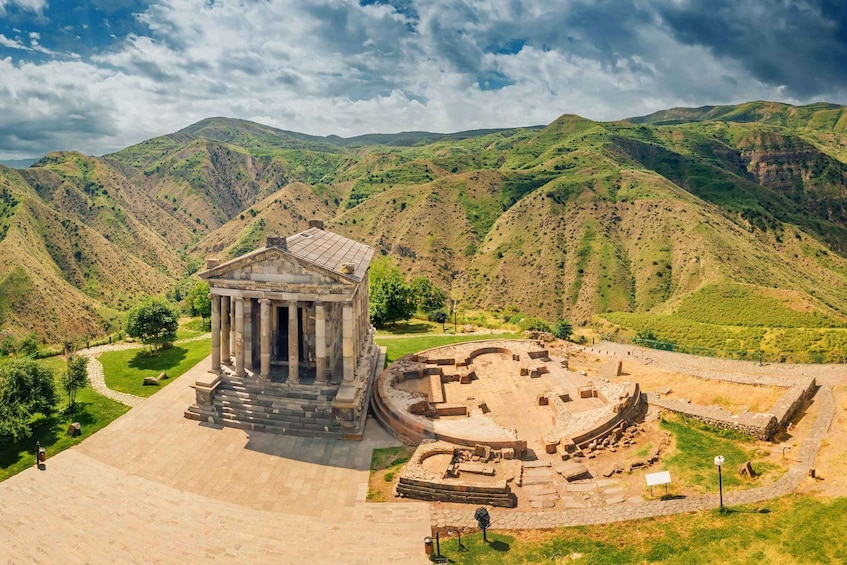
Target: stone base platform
[307,410]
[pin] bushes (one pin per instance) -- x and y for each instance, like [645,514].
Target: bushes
[26,389]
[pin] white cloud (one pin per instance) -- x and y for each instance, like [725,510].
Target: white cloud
[339,68]
[36,6]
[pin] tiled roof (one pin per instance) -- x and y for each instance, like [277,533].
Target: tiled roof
[331,251]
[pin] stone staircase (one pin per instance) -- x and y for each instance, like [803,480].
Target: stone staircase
[248,404]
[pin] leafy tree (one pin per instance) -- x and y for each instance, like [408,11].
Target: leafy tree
[534,324]
[391,301]
[645,335]
[439,316]
[26,389]
[29,345]
[563,329]
[154,322]
[75,378]
[8,345]
[428,297]
[198,301]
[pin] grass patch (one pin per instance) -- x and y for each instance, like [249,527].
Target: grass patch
[398,347]
[386,464]
[125,370]
[192,327]
[92,411]
[692,462]
[793,529]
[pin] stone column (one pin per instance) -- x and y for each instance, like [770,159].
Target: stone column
[293,342]
[239,336]
[320,343]
[347,351]
[265,343]
[216,333]
[232,327]
[225,331]
[248,333]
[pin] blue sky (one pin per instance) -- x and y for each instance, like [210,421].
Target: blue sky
[98,76]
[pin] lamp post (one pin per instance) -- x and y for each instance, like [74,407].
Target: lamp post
[783,450]
[458,533]
[719,463]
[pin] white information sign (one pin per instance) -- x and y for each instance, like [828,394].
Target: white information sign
[661,478]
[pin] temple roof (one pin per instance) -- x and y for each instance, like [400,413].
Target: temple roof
[331,251]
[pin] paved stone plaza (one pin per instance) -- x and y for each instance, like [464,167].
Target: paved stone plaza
[154,487]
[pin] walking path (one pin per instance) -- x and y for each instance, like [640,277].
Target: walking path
[154,487]
[95,369]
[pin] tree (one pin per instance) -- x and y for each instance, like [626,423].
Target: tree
[428,297]
[154,322]
[29,345]
[439,316]
[391,301]
[75,378]
[198,301]
[534,324]
[26,389]
[646,336]
[563,329]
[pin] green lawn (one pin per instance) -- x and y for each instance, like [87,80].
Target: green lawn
[696,447]
[400,346]
[793,529]
[125,370]
[92,411]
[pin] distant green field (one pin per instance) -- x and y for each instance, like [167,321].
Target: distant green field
[399,346]
[780,344]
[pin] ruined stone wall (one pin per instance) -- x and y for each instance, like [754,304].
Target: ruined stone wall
[759,426]
[791,401]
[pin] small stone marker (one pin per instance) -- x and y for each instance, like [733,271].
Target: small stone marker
[746,469]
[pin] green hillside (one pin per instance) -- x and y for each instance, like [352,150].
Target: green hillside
[728,216]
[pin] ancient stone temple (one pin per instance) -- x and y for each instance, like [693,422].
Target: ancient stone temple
[292,345]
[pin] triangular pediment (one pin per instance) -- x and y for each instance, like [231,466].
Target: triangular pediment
[275,267]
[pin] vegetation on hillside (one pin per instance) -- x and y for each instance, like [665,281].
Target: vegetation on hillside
[730,217]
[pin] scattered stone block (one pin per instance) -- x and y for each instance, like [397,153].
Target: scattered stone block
[610,369]
[508,452]
[543,400]
[151,381]
[573,471]
[476,468]
[746,469]
[74,429]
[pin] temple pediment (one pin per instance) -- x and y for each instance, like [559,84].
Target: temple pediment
[276,268]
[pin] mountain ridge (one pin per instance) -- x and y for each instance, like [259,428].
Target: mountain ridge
[574,219]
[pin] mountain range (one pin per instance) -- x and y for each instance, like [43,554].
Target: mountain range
[731,215]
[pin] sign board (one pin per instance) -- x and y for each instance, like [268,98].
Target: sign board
[662,478]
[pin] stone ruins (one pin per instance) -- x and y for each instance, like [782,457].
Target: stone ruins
[292,345]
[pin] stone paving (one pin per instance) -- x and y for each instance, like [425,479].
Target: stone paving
[443,516]
[153,487]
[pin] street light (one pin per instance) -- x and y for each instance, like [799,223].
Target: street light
[458,533]
[719,463]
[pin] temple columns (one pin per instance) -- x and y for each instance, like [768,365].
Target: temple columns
[248,333]
[265,339]
[216,333]
[347,345]
[224,330]
[320,344]
[293,342]
[239,336]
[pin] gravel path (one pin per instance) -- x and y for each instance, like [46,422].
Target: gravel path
[95,369]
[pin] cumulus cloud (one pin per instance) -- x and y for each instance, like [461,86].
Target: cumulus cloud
[339,67]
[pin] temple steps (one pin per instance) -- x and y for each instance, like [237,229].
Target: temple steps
[300,410]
